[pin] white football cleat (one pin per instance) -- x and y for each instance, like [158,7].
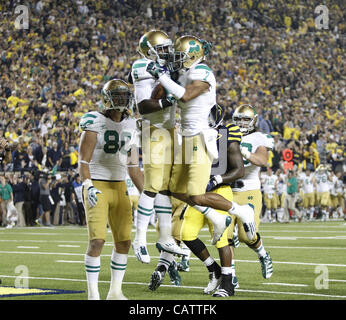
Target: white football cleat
[170,246]
[213,283]
[116,296]
[141,251]
[246,214]
[219,228]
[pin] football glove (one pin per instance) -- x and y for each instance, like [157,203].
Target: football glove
[245,152]
[92,196]
[156,70]
[168,101]
[213,182]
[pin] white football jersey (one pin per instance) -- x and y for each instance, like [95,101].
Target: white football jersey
[131,188]
[322,184]
[195,113]
[307,183]
[281,186]
[252,141]
[283,178]
[339,186]
[333,187]
[144,83]
[114,141]
[268,183]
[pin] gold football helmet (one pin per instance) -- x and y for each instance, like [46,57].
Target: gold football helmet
[155,45]
[188,51]
[245,117]
[116,95]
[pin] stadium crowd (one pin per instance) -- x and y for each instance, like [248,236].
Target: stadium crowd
[266,53]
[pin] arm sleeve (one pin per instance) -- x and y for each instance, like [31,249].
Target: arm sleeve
[233,134]
[89,122]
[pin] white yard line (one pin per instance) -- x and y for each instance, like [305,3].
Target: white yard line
[68,246]
[285,284]
[189,287]
[23,247]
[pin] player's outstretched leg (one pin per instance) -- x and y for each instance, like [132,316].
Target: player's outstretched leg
[163,209]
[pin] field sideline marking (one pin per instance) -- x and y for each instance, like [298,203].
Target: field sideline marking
[157,257]
[188,287]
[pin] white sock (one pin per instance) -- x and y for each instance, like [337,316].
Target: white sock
[92,270]
[135,214]
[118,268]
[268,214]
[234,209]
[226,270]
[163,209]
[165,259]
[210,213]
[144,212]
[209,261]
[261,252]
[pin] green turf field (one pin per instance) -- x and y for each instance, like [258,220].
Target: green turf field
[309,261]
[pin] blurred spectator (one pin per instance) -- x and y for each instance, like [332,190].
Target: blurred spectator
[78,199]
[19,187]
[6,195]
[54,156]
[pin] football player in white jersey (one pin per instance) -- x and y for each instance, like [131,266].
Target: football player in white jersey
[254,148]
[108,149]
[340,194]
[158,124]
[281,192]
[195,91]
[270,183]
[323,190]
[308,188]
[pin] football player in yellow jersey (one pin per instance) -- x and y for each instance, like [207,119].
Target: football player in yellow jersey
[254,148]
[108,149]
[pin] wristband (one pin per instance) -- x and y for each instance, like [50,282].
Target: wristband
[172,87]
[218,179]
[164,103]
[87,183]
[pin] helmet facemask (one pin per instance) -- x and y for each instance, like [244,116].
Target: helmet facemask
[119,99]
[161,53]
[244,122]
[245,117]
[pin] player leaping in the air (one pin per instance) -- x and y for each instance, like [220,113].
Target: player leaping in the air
[108,148]
[157,146]
[195,91]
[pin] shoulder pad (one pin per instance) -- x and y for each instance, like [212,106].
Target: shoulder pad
[89,121]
